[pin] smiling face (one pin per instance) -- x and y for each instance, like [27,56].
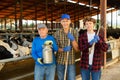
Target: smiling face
[89,25]
[65,23]
[43,32]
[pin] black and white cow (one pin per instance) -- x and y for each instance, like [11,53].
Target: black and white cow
[20,45]
[8,48]
[15,46]
[4,53]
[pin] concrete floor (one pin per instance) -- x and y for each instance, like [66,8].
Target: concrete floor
[112,72]
[12,70]
[109,73]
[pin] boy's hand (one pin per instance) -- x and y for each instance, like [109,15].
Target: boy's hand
[95,40]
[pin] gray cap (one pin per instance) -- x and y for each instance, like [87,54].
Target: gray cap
[41,26]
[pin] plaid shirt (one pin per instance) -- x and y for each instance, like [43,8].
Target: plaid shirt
[84,46]
[62,41]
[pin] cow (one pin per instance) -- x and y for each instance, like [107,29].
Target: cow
[8,48]
[22,48]
[4,53]
[15,46]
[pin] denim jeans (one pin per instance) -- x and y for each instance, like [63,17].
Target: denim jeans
[86,73]
[70,72]
[41,71]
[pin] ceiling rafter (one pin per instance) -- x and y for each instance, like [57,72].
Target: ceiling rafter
[36,9]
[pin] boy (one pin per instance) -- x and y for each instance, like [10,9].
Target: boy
[91,61]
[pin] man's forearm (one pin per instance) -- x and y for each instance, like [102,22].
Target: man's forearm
[75,46]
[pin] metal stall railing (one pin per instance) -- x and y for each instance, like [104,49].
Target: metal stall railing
[2,62]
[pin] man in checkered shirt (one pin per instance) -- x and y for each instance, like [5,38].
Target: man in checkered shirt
[62,37]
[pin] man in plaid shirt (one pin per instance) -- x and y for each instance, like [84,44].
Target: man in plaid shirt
[62,37]
[91,61]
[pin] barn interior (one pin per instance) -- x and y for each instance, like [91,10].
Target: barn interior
[20,18]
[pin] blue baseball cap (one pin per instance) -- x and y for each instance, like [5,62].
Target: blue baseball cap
[63,16]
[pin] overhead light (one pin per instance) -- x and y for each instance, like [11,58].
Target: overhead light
[56,1]
[110,9]
[81,4]
[95,7]
[72,1]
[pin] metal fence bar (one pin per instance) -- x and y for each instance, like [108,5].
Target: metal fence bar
[15,59]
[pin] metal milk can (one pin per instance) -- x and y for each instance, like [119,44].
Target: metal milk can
[47,53]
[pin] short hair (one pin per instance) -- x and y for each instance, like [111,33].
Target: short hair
[89,19]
